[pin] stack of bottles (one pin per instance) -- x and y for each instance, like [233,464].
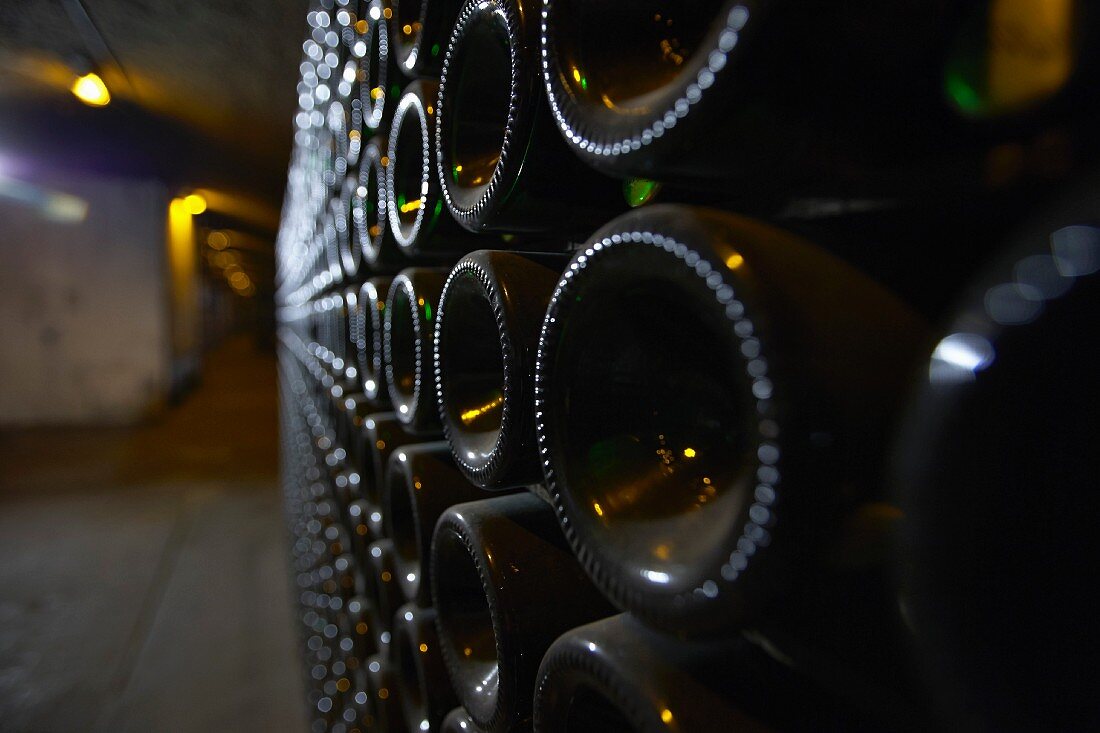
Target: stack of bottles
[693,366]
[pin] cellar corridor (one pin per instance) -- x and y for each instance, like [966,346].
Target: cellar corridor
[143,579]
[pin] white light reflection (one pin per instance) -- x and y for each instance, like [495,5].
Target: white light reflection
[656,576]
[958,357]
[1076,250]
[50,205]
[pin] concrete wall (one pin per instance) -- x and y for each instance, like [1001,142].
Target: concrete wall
[85,335]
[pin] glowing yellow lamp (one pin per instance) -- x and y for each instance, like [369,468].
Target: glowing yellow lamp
[91,90]
[195,204]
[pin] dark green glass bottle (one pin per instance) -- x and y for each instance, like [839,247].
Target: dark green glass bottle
[410,326]
[502,164]
[714,398]
[505,584]
[426,694]
[486,338]
[422,482]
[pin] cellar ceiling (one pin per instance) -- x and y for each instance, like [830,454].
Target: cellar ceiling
[202,90]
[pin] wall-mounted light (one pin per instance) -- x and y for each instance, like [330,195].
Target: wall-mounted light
[91,90]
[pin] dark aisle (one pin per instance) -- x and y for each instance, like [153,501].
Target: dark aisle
[143,580]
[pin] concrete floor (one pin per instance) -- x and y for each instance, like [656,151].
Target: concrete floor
[143,576]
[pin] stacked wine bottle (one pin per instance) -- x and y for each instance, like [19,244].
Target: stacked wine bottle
[693,366]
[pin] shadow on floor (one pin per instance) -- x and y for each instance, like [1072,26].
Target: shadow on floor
[143,577]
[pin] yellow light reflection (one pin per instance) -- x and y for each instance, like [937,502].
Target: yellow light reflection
[423,648]
[217,240]
[689,452]
[734,261]
[472,414]
[1031,50]
[91,90]
[666,716]
[411,206]
[599,510]
[196,204]
[183,263]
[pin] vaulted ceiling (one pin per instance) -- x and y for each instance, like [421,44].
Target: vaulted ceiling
[203,90]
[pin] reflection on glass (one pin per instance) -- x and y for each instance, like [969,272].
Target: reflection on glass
[656,437]
[1013,55]
[618,54]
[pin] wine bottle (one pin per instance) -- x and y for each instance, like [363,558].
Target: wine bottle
[994,468]
[426,694]
[369,347]
[381,78]
[409,327]
[420,29]
[329,240]
[384,434]
[359,528]
[385,695]
[421,483]
[502,164]
[347,574]
[347,487]
[337,120]
[505,584]
[356,623]
[486,336]
[350,255]
[369,215]
[382,588]
[458,721]
[713,398]
[356,408]
[336,539]
[359,712]
[415,204]
[711,92]
[617,676]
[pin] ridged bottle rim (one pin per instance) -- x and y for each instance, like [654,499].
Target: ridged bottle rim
[374,104]
[350,254]
[334,269]
[506,11]
[635,133]
[372,373]
[479,474]
[453,664]
[409,53]
[405,407]
[370,162]
[409,101]
[572,656]
[648,600]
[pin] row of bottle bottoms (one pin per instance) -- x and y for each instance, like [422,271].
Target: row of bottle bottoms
[713,408]
[487,593]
